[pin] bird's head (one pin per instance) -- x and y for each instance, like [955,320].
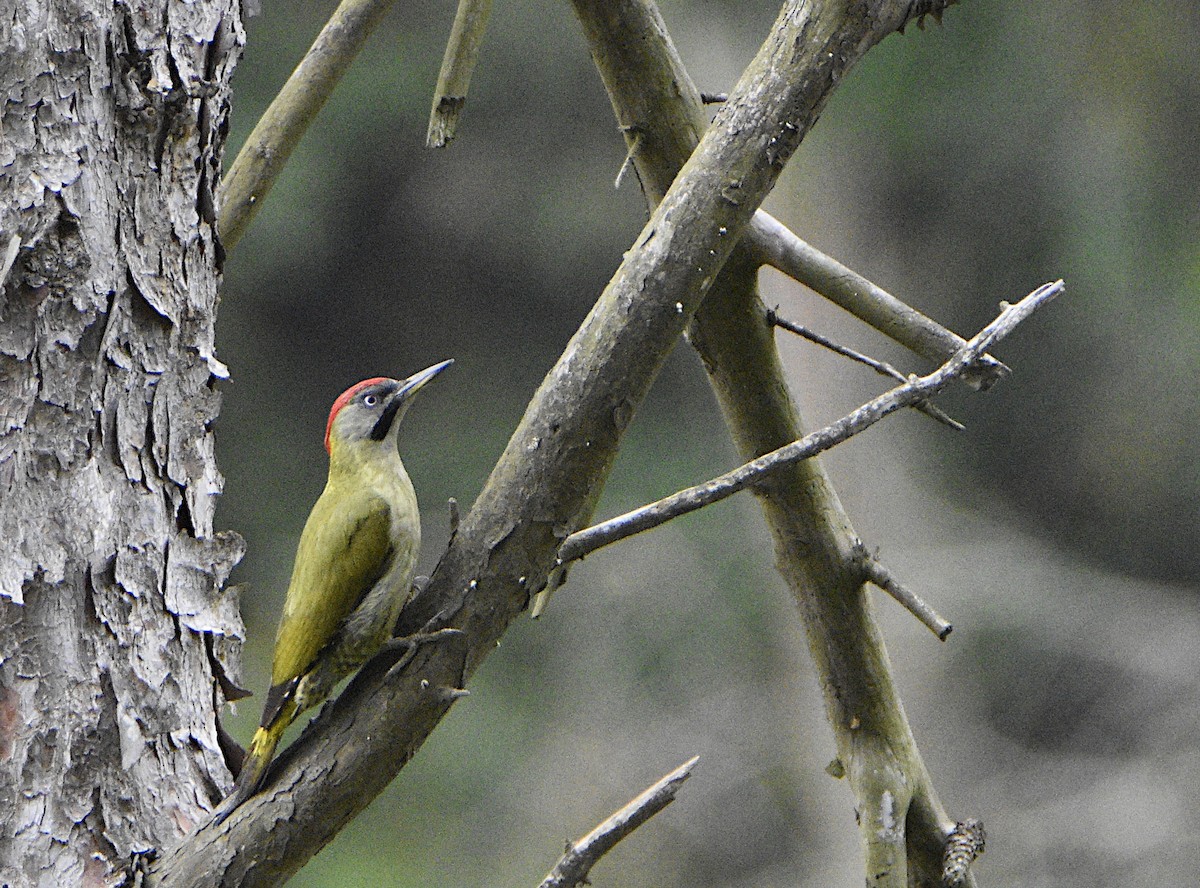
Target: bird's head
[371,410]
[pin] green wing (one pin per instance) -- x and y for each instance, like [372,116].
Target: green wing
[344,550]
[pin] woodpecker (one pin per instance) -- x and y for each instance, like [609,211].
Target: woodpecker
[354,565]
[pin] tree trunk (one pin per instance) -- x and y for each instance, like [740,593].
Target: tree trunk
[116,636]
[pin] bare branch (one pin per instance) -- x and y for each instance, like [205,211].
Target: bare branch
[876,573]
[280,129]
[902,823]
[573,867]
[772,243]
[583,542]
[545,483]
[883,368]
[458,63]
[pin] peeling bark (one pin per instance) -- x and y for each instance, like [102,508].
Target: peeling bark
[115,635]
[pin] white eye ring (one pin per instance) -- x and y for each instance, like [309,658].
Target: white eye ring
[370,400]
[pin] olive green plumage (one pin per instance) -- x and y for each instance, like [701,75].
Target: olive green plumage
[354,564]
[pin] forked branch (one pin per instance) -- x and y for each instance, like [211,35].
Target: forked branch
[588,540]
[883,368]
[772,243]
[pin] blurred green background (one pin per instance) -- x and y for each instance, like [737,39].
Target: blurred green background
[957,166]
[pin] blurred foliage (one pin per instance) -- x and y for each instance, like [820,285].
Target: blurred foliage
[957,166]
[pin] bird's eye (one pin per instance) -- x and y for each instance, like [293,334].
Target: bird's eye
[370,400]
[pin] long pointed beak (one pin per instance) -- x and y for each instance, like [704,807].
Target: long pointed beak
[398,401]
[414,383]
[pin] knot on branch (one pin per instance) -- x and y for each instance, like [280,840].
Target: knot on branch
[964,844]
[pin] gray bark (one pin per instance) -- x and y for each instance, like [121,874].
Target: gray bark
[114,634]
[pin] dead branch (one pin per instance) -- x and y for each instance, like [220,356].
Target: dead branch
[284,123]
[458,63]
[584,542]
[883,368]
[573,867]
[772,243]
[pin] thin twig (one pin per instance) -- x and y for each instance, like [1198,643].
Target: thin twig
[573,867]
[634,146]
[881,367]
[458,63]
[772,243]
[880,576]
[280,129]
[588,540]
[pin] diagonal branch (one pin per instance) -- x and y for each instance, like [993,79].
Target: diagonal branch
[280,129]
[875,573]
[902,824]
[550,476]
[883,368]
[918,388]
[573,867]
[458,63]
[772,243]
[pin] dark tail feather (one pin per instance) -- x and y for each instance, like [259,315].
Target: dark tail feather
[262,749]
